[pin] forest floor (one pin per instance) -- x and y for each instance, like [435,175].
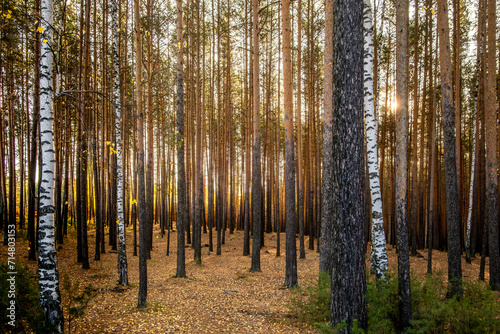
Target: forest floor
[219,296]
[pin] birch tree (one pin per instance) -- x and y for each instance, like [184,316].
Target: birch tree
[379,262]
[48,274]
[122,254]
[471,192]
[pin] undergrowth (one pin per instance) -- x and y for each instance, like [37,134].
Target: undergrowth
[29,316]
[476,311]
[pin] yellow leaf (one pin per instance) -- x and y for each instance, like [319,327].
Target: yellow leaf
[40,29]
[8,16]
[107,143]
[9,11]
[45,41]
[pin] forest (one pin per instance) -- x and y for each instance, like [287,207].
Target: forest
[157,145]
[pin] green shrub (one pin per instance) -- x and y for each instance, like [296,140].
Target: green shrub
[29,315]
[312,303]
[476,311]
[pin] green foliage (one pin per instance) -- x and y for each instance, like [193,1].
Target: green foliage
[77,303]
[476,311]
[382,302]
[29,316]
[312,304]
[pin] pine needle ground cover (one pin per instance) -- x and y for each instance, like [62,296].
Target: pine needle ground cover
[219,296]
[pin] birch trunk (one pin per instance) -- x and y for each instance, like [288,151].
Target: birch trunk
[471,192]
[379,262]
[48,274]
[122,254]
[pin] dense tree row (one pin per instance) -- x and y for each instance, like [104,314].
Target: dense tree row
[239,115]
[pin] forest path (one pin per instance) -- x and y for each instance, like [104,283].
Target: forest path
[219,296]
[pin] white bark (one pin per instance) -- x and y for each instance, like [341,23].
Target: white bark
[379,263]
[471,191]
[122,254]
[48,275]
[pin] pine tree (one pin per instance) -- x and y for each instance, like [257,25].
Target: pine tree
[344,131]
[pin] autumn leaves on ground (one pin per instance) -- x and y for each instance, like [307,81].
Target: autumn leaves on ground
[220,296]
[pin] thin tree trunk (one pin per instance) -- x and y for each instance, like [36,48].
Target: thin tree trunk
[402,17]
[291,247]
[452,196]
[300,199]
[414,188]
[34,141]
[150,158]
[181,186]
[432,166]
[471,191]
[143,221]
[256,176]
[330,190]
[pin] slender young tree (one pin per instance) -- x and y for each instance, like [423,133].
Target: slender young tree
[256,175]
[344,132]
[150,159]
[329,187]
[143,239]
[300,178]
[181,186]
[471,191]
[452,206]
[122,254]
[48,274]
[34,144]
[379,262]
[402,17]
[291,247]
[432,167]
